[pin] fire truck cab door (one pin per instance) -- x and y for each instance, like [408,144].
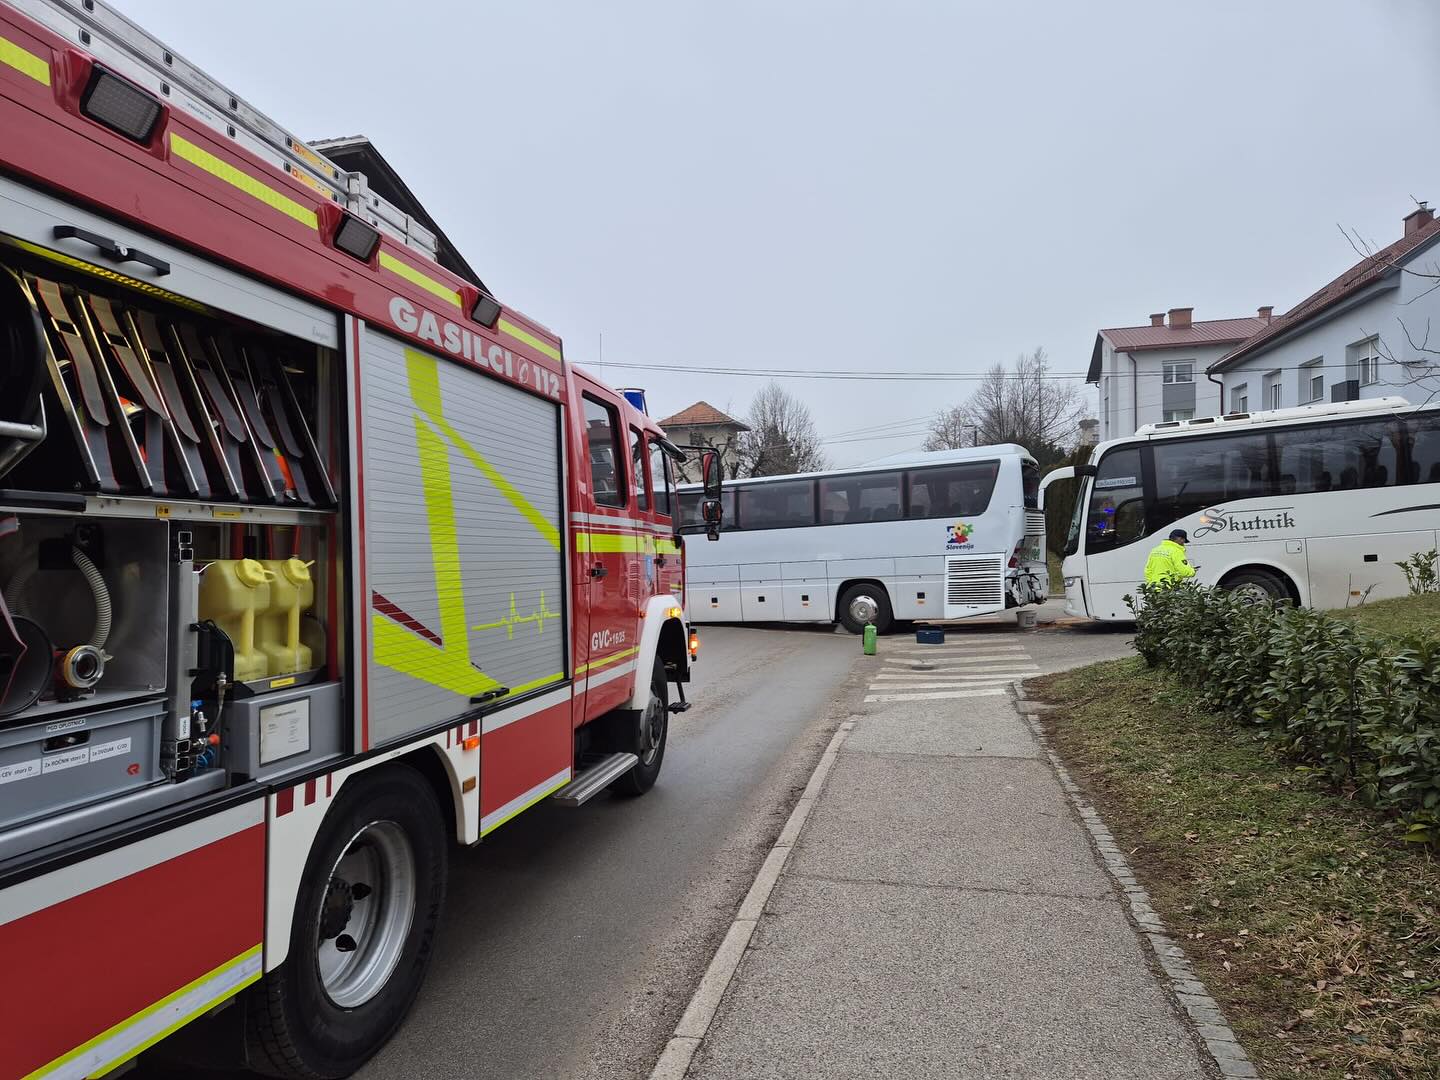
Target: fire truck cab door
[609,554]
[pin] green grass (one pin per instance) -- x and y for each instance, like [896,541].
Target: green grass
[1315,928]
[1406,615]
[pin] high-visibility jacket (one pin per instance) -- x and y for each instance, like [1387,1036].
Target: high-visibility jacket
[1167,563]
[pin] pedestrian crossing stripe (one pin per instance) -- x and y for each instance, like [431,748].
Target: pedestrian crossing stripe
[938,695]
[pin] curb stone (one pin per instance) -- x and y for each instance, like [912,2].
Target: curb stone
[694,1025]
[1201,1011]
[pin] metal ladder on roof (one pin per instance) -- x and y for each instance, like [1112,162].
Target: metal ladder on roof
[119,44]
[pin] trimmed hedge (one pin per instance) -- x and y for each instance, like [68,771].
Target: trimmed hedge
[1364,711]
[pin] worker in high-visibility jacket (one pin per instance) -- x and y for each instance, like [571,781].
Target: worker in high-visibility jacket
[1167,564]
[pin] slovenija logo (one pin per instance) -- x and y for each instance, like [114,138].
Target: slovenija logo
[959,533]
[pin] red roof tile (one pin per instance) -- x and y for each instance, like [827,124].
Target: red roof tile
[1208,332]
[702,414]
[1141,338]
[1367,270]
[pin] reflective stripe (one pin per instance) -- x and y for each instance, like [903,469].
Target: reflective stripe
[400,268]
[507,327]
[603,661]
[603,677]
[610,676]
[130,1037]
[496,818]
[506,717]
[24,61]
[75,879]
[625,543]
[187,150]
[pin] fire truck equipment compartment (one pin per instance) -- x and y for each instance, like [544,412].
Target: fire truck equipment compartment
[55,765]
[276,732]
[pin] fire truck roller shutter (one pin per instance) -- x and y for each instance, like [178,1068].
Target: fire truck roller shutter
[462,489]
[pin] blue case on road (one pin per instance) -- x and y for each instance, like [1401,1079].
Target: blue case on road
[932,636]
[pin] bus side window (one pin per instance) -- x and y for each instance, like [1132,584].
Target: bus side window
[1423,431]
[1117,503]
[1339,457]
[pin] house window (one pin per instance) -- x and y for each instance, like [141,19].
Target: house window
[1272,390]
[1172,415]
[1179,371]
[1312,380]
[1240,398]
[1366,360]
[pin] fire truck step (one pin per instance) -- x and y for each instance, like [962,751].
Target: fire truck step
[595,779]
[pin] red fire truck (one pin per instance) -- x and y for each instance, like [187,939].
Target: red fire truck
[316,560]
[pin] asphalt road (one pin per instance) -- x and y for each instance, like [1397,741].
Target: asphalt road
[573,939]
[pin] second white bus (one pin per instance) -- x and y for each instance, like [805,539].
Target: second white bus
[924,536]
[1315,505]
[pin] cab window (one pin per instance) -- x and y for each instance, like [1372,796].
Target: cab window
[637,471]
[660,482]
[602,440]
[1117,502]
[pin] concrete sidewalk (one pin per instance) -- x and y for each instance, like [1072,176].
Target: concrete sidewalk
[941,913]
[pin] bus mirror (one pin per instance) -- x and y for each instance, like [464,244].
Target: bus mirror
[710,474]
[1066,473]
[1084,470]
[714,515]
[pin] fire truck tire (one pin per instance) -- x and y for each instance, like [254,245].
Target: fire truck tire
[363,933]
[653,728]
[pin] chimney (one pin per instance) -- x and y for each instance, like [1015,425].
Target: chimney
[1418,218]
[1180,317]
[1157,319]
[1266,312]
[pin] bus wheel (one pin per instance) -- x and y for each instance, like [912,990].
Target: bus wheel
[363,934]
[653,728]
[1257,585]
[862,604]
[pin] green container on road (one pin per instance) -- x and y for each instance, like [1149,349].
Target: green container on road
[870,637]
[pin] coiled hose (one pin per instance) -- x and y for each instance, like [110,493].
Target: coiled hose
[100,591]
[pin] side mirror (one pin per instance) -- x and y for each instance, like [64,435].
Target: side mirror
[710,473]
[713,514]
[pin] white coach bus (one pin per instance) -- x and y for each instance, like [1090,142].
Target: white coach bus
[942,535]
[1315,505]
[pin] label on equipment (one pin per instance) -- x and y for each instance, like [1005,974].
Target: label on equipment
[284,730]
[109,749]
[19,770]
[67,760]
[1116,482]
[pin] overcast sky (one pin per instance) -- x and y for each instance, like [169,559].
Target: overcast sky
[887,186]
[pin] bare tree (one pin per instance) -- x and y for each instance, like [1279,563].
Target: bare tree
[1023,404]
[782,437]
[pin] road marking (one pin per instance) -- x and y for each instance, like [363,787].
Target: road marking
[969,676]
[907,687]
[937,695]
[934,650]
[934,658]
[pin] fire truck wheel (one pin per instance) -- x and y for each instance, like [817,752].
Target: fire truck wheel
[649,742]
[363,934]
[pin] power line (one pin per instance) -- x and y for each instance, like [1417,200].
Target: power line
[842,375]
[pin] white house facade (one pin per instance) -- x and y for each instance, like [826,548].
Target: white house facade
[1372,332]
[1157,373]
